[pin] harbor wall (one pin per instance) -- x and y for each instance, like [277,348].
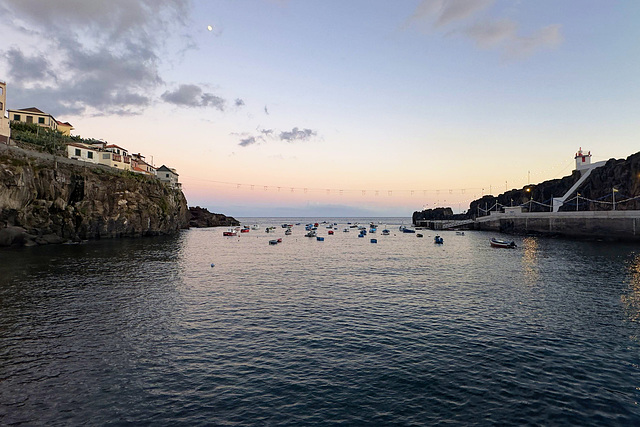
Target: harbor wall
[608,225]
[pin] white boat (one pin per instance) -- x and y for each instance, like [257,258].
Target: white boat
[385,232]
[255,227]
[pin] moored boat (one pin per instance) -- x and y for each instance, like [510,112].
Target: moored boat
[230,233]
[439,240]
[497,243]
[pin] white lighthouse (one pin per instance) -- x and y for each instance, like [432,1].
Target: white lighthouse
[583,160]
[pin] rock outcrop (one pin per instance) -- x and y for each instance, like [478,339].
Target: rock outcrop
[596,193]
[201,218]
[51,200]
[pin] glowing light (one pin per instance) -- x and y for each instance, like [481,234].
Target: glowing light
[209,27]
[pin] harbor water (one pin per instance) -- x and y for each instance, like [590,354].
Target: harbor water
[201,329]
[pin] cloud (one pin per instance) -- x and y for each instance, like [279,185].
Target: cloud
[490,34]
[239,102]
[190,95]
[23,68]
[264,135]
[457,10]
[108,55]
[297,135]
[250,140]
[547,37]
[463,17]
[443,12]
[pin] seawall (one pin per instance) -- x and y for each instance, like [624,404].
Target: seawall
[46,199]
[607,225]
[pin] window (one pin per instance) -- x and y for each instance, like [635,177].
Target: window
[167,175]
[1,106]
[29,119]
[1,90]
[89,154]
[106,156]
[41,120]
[16,117]
[77,151]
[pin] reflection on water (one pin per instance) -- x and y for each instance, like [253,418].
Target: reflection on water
[530,265]
[631,300]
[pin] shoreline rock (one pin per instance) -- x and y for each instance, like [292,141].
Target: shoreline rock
[202,218]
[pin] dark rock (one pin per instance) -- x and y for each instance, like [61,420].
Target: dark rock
[202,218]
[12,236]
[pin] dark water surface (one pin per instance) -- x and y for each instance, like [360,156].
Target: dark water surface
[145,331]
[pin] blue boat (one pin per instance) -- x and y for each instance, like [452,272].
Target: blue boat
[439,240]
[374,240]
[320,239]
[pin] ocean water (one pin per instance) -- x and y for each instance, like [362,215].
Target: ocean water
[402,332]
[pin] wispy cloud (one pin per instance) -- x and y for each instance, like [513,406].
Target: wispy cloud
[265,135]
[466,18]
[297,135]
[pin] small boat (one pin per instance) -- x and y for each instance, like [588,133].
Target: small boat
[374,240]
[320,239]
[230,233]
[279,240]
[255,227]
[288,232]
[310,234]
[419,235]
[346,230]
[497,243]
[360,235]
[459,233]
[385,232]
[408,230]
[330,232]
[273,242]
[244,230]
[373,230]
[439,240]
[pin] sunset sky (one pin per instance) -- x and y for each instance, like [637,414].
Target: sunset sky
[336,108]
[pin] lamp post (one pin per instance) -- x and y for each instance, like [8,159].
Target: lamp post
[577,201]
[613,197]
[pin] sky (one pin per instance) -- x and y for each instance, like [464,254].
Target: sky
[332,107]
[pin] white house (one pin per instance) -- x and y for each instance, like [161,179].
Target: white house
[168,176]
[83,152]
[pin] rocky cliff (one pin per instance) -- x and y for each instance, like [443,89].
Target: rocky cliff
[52,200]
[596,193]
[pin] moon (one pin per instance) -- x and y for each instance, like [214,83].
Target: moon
[209,27]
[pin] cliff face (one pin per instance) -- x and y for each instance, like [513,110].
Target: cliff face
[43,200]
[623,174]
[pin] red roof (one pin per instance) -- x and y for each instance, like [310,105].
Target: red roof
[115,146]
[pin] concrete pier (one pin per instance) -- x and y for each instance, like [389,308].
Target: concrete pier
[608,225]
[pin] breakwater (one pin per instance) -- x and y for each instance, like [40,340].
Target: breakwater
[606,225]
